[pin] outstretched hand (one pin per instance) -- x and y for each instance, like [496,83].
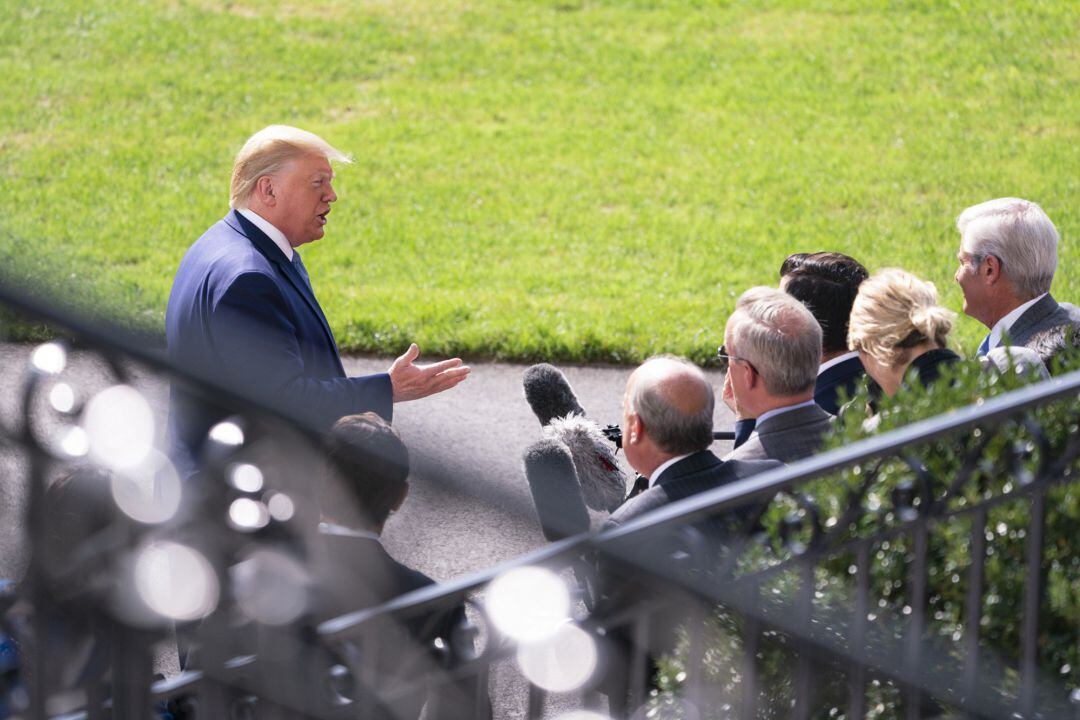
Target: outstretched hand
[412,382]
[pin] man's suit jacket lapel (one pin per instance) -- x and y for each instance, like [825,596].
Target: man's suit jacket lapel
[273,253]
[1029,322]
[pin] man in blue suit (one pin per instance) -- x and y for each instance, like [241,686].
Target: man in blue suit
[243,311]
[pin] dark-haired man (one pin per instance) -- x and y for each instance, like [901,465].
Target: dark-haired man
[827,283]
[366,480]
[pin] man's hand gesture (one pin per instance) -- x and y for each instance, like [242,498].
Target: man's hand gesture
[412,382]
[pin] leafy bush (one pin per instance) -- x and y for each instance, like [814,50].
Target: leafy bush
[979,481]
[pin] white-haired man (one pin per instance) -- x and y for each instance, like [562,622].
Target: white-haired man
[1008,255]
[772,349]
[242,310]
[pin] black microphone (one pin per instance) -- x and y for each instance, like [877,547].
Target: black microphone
[549,394]
[556,492]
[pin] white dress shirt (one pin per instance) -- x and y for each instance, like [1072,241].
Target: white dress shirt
[271,232]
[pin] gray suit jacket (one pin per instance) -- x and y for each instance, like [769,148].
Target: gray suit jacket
[787,437]
[1045,327]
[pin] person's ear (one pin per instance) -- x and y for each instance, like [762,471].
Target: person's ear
[633,429]
[264,189]
[750,377]
[991,269]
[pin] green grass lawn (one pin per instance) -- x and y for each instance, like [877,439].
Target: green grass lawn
[565,179]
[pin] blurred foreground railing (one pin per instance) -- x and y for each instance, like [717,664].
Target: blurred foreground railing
[927,572]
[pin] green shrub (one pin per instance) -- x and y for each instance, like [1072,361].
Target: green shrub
[1001,462]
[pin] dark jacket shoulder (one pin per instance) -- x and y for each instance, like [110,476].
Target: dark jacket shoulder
[843,376]
[697,473]
[926,369]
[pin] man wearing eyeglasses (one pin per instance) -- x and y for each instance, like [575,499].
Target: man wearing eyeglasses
[1007,259]
[770,357]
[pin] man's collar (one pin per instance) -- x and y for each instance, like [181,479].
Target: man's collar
[837,360]
[271,232]
[780,410]
[1005,324]
[664,466]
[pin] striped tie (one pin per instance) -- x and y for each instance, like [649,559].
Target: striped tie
[985,347]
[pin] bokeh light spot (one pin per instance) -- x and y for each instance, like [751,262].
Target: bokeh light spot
[248,515]
[75,443]
[176,581]
[281,507]
[528,604]
[227,433]
[563,662]
[149,493]
[49,358]
[246,478]
[270,587]
[62,398]
[120,426]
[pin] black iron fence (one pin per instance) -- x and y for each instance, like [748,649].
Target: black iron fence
[926,572]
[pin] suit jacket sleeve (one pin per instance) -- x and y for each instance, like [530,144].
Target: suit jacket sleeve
[251,325]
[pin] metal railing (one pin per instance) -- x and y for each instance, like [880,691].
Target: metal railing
[925,572]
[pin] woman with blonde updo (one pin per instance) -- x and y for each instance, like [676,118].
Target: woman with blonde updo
[899,330]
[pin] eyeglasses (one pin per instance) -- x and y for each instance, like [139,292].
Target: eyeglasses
[726,360]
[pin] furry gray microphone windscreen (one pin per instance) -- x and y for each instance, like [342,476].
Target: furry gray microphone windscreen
[555,490]
[549,393]
[594,476]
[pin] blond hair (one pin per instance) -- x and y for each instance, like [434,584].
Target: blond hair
[268,151]
[894,311]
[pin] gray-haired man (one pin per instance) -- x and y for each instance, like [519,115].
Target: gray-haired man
[1008,255]
[772,349]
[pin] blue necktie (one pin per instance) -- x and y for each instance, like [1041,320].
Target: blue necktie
[985,347]
[299,265]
